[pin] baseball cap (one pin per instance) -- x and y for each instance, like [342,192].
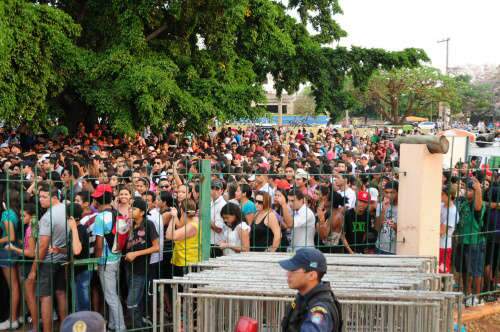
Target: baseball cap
[309,259]
[364,155]
[140,204]
[84,321]
[217,184]
[282,184]
[301,174]
[262,170]
[363,196]
[44,157]
[392,185]
[101,189]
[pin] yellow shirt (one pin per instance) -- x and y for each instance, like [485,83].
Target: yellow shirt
[187,251]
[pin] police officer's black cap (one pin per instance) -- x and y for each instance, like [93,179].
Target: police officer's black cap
[309,259]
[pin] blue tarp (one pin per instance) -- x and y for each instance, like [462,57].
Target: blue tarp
[291,120]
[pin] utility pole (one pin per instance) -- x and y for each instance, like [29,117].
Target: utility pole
[447,41]
[445,117]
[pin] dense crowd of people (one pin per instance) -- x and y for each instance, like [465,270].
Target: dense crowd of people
[123,211]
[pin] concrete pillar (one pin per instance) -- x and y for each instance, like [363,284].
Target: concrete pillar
[419,201]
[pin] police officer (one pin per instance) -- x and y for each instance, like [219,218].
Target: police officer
[315,308]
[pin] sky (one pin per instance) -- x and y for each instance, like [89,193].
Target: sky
[472,26]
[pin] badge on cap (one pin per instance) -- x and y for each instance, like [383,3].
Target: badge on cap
[80,326]
[314,265]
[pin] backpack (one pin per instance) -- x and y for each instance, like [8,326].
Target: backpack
[117,238]
[337,314]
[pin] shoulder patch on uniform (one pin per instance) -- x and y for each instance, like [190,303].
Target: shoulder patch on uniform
[317,318]
[318,309]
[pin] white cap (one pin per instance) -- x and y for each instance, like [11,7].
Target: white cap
[44,157]
[301,174]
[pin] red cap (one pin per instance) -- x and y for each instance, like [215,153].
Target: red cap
[101,189]
[363,196]
[486,169]
[282,184]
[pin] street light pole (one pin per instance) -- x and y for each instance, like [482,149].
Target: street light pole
[447,41]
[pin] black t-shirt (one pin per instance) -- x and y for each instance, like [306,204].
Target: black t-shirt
[83,235]
[141,238]
[359,230]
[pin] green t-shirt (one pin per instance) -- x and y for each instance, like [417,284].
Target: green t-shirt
[375,139]
[470,225]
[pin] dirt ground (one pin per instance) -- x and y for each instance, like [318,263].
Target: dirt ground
[487,324]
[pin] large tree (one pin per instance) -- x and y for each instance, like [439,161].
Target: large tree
[477,98]
[398,93]
[138,63]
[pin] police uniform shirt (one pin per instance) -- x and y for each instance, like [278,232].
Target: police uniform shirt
[317,319]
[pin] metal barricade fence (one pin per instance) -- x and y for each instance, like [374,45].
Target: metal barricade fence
[256,278]
[220,313]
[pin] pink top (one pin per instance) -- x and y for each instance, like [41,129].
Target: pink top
[27,237]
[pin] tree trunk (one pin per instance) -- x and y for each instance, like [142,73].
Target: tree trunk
[76,111]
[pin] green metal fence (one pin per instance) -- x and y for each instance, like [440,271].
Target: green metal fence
[313,211]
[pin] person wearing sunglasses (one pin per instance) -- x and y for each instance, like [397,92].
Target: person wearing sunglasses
[265,233]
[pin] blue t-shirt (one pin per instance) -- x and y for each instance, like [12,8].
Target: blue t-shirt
[248,208]
[103,225]
[11,217]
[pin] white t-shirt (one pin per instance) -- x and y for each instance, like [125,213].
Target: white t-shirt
[268,189]
[449,214]
[386,240]
[233,237]
[215,208]
[303,230]
[155,217]
[351,195]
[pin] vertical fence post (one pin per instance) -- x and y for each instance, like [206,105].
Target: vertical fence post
[205,199]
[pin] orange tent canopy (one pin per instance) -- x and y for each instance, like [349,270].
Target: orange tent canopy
[458,133]
[416,119]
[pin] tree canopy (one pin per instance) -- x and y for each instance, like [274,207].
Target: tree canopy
[477,98]
[398,93]
[137,63]
[401,92]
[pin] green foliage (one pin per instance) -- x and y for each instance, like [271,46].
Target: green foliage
[181,63]
[477,100]
[398,93]
[37,55]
